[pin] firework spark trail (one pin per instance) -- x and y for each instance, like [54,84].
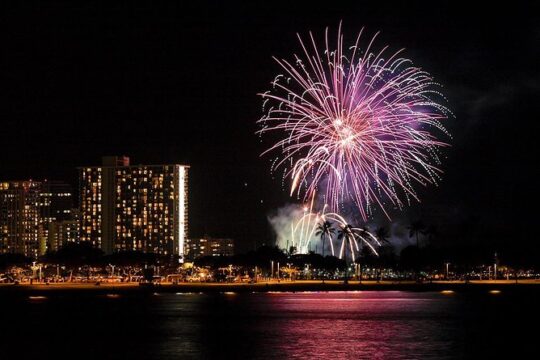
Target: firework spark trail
[356,126]
[303,233]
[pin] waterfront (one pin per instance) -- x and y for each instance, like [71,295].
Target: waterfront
[269,285]
[344,325]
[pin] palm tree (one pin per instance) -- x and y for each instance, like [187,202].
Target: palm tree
[361,251]
[382,235]
[432,232]
[325,230]
[346,233]
[415,229]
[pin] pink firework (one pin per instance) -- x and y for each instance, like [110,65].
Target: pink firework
[355,125]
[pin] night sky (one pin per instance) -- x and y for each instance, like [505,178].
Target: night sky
[177,83]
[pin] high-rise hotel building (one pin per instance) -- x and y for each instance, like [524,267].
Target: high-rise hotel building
[20,228]
[134,207]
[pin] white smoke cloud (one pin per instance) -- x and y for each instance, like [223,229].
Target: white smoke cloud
[282,221]
[285,218]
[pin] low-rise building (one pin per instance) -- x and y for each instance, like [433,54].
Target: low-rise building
[208,246]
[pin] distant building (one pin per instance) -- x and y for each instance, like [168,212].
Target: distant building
[61,232]
[208,246]
[134,207]
[20,219]
[28,210]
[56,200]
[56,207]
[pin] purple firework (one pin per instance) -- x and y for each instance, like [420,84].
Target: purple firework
[354,125]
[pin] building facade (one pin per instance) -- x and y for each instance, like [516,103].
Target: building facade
[208,246]
[134,207]
[61,233]
[20,217]
[28,211]
[56,208]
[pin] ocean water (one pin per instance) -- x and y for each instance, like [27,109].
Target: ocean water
[333,325]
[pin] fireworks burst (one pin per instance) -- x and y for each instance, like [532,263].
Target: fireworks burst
[355,125]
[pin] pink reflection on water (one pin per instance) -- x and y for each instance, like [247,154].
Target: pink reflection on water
[358,325]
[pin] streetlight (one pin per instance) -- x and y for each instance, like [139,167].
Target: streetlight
[271,269]
[230,272]
[35,268]
[495,268]
[290,272]
[447,264]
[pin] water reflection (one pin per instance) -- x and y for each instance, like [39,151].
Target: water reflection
[319,325]
[343,325]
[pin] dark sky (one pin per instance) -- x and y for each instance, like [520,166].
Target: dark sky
[177,83]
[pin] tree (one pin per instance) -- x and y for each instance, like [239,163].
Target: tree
[134,258]
[415,229]
[386,251]
[409,258]
[432,232]
[76,255]
[365,255]
[325,230]
[382,235]
[346,234]
[9,259]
